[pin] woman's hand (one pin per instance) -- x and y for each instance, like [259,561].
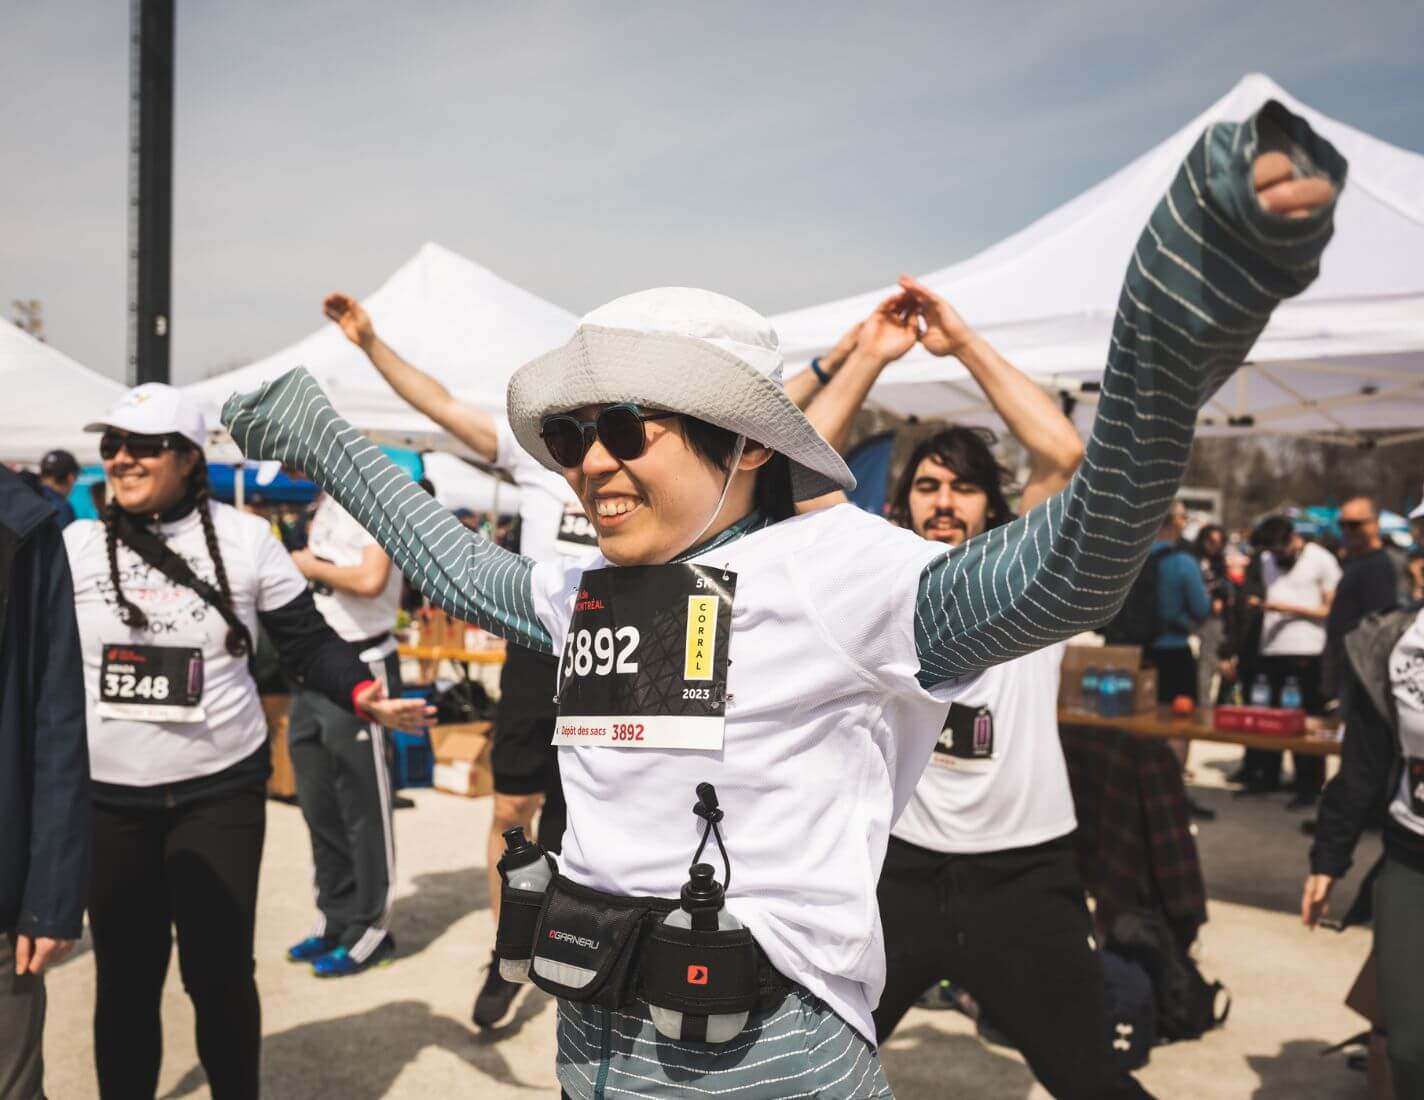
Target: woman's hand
[392,713]
[1315,899]
[1279,192]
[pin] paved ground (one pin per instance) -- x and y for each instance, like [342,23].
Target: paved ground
[403,1031]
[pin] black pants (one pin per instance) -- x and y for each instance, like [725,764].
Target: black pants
[1013,929]
[1263,765]
[344,788]
[193,867]
[523,757]
[1176,672]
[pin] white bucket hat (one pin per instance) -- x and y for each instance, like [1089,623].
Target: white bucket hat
[685,351]
[155,409]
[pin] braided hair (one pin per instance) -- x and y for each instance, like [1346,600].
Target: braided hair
[132,615]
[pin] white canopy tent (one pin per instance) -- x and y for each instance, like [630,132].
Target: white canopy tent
[1346,356]
[447,315]
[461,485]
[48,398]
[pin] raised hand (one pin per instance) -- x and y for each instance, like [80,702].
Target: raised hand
[1281,193]
[890,331]
[944,331]
[351,317]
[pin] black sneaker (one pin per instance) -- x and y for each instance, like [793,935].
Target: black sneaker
[496,997]
[1303,800]
[1197,812]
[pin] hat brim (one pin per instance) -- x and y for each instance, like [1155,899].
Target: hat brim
[679,374]
[118,421]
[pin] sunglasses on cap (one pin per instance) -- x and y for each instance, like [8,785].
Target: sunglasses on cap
[620,428]
[138,446]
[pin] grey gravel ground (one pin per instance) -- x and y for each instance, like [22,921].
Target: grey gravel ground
[403,1031]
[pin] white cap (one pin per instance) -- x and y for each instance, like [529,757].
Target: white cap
[1418,512]
[155,409]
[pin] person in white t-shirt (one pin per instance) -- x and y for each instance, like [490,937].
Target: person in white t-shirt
[169,589]
[1299,579]
[552,528]
[801,665]
[980,888]
[340,760]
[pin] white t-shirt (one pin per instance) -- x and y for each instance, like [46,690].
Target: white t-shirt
[551,520]
[1310,580]
[1406,679]
[827,732]
[336,537]
[263,578]
[1015,798]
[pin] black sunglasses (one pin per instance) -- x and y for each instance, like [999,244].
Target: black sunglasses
[138,446]
[619,428]
[1352,524]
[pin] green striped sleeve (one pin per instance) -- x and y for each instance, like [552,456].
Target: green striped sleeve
[1206,274]
[459,571]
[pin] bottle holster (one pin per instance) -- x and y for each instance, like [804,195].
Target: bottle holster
[518,917]
[620,949]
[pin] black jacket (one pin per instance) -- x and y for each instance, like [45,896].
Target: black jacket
[44,753]
[1371,759]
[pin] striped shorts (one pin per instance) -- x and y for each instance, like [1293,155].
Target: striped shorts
[799,1048]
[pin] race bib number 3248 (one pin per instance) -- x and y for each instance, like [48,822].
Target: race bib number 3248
[151,683]
[645,662]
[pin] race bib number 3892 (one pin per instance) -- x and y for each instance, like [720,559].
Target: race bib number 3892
[645,662]
[151,683]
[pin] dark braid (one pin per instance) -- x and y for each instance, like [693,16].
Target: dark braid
[130,612]
[198,486]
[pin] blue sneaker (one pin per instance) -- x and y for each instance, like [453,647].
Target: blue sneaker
[311,949]
[340,964]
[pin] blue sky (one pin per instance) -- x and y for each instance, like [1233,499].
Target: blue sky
[782,153]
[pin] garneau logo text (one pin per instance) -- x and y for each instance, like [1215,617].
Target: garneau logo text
[577,941]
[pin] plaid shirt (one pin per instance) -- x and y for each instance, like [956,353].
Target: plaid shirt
[1134,843]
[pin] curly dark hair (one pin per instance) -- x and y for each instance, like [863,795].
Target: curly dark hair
[968,454]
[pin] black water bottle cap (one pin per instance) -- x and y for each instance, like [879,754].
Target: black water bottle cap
[518,851]
[702,890]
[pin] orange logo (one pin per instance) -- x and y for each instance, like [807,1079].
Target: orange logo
[696,975]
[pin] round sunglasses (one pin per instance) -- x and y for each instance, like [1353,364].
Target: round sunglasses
[620,428]
[138,446]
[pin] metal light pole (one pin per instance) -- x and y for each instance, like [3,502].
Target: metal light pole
[150,188]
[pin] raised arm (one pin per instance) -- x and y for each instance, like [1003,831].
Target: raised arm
[460,572]
[1034,418]
[1237,232]
[471,426]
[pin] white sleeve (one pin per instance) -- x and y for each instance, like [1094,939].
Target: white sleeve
[1330,572]
[279,581]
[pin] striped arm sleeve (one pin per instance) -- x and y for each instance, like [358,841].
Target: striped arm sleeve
[1206,273]
[459,571]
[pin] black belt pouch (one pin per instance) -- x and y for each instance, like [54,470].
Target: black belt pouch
[587,942]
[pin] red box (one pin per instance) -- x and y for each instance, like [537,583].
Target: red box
[1266,720]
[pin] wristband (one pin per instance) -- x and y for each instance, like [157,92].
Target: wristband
[818,372]
[355,706]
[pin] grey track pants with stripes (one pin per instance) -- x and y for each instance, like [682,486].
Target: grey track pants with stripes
[799,1048]
[344,787]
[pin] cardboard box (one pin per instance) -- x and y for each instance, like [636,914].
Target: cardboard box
[283,781]
[1076,658]
[1267,720]
[462,758]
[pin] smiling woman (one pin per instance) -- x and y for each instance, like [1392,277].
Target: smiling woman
[792,673]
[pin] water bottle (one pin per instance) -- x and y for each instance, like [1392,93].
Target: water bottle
[1126,693]
[1260,691]
[1107,693]
[1290,694]
[525,868]
[702,910]
[1088,697]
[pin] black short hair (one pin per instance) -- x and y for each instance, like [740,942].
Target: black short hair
[716,446]
[1272,532]
[59,465]
[968,454]
[1205,533]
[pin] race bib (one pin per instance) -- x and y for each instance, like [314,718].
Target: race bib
[576,535]
[151,683]
[967,742]
[645,663]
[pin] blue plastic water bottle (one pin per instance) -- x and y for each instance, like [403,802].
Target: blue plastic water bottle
[1260,691]
[1290,694]
[1088,698]
[1107,693]
[1126,692]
